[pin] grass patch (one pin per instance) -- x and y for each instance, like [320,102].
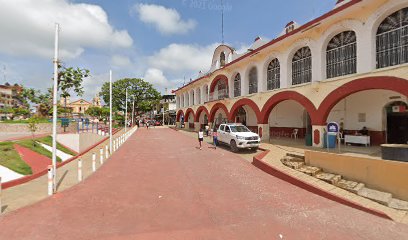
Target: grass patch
[28,143]
[42,120]
[11,159]
[48,141]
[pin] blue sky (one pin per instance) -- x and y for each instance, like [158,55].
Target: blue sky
[161,41]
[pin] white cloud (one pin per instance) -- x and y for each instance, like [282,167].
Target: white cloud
[120,61]
[178,58]
[165,20]
[27,28]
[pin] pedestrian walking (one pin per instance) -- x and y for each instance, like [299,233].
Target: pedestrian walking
[215,137]
[200,137]
[147,125]
[207,128]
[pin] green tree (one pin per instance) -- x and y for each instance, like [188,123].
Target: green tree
[70,79]
[141,92]
[33,127]
[94,112]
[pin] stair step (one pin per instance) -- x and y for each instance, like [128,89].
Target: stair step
[294,165]
[329,177]
[292,159]
[375,195]
[398,204]
[309,170]
[351,186]
[296,155]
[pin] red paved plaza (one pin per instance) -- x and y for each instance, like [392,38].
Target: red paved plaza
[159,186]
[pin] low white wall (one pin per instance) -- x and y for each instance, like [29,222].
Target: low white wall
[79,142]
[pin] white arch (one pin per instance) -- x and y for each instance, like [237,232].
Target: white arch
[345,25]
[372,24]
[316,61]
[266,62]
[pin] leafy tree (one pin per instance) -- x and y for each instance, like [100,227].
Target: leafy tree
[141,92]
[70,79]
[94,112]
[33,127]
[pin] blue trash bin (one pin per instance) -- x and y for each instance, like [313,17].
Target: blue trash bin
[332,140]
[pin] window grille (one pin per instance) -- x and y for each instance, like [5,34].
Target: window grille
[237,85]
[341,55]
[302,66]
[253,81]
[273,76]
[392,40]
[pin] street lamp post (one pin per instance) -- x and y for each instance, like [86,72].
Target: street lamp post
[54,113]
[133,111]
[126,110]
[110,111]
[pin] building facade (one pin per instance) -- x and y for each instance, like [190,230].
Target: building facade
[9,96]
[80,106]
[349,65]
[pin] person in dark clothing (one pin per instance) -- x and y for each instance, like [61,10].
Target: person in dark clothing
[364,131]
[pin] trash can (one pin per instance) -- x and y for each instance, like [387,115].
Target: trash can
[308,139]
[332,140]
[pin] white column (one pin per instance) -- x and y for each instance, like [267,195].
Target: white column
[366,56]
[264,134]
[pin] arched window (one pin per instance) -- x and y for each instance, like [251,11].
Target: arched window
[302,66]
[198,96]
[392,40]
[273,76]
[341,55]
[253,80]
[222,89]
[222,59]
[237,85]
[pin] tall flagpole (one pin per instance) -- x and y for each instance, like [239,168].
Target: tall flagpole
[110,111]
[126,111]
[54,112]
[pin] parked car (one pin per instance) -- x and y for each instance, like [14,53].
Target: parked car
[238,136]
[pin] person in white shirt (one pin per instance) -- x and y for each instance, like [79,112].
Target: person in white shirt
[200,137]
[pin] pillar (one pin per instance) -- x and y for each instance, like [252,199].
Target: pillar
[197,126]
[263,131]
[317,135]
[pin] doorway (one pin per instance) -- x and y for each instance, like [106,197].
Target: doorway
[397,123]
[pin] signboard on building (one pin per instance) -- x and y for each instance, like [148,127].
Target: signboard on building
[333,127]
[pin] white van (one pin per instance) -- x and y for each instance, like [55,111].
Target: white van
[238,136]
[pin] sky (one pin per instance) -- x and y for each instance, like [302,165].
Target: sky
[161,41]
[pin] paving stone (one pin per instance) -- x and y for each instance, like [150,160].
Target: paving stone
[328,177]
[296,155]
[309,170]
[398,204]
[292,159]
[375,195]
[351,186]
[293,165]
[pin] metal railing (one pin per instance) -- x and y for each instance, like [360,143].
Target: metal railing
[392,47]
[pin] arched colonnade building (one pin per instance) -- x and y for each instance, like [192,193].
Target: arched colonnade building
[349,65]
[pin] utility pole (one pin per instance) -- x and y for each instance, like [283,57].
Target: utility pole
[110,111]
[54,112]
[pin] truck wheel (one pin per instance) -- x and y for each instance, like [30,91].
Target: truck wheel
[233,145]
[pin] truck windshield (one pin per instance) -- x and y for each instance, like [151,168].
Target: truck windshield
[239,129]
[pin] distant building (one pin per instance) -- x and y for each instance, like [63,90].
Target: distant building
[168,104]
[80,106]
[9,96]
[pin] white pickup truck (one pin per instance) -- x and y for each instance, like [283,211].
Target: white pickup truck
[237,136]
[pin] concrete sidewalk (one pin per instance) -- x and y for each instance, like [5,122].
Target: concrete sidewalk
[36,190]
